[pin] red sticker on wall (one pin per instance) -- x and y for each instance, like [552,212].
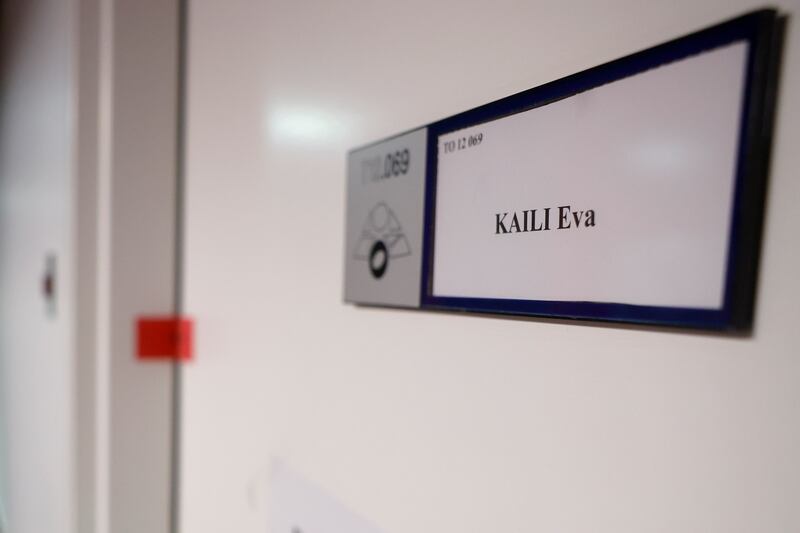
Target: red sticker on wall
[164,338]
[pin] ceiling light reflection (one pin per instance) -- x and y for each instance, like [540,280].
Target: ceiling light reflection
[295,126]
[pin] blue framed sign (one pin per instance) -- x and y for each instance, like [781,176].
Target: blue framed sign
[629,192]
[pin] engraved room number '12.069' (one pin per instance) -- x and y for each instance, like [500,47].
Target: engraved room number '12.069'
[396,163]
[391,165]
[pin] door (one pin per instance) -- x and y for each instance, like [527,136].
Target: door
[36,255]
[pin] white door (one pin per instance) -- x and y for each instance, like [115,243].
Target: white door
[36,359]
[88,114]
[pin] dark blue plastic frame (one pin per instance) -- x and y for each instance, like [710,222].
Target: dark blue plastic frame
[763,31]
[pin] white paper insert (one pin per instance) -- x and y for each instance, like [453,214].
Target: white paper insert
[653,155]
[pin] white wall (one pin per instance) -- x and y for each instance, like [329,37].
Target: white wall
[437,422]
[36,359]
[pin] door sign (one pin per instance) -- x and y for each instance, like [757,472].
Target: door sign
[632,192]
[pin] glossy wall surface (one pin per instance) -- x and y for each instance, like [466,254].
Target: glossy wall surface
[423,422]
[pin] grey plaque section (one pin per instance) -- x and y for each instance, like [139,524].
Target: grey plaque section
[385,215]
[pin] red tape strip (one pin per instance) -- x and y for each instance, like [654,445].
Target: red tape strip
[164,338]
